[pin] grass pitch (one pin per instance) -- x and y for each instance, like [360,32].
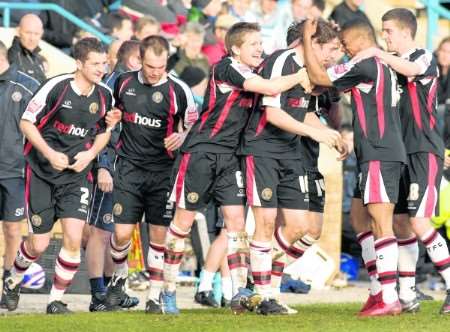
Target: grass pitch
[320,318]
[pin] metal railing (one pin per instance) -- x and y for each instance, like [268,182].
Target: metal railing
[434,11]
[7,7]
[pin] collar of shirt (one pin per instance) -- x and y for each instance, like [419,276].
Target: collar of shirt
[141,80]
[408,54]
[77,90]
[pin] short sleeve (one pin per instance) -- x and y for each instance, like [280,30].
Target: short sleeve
[348,75]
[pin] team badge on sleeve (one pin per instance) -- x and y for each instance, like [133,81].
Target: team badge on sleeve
[16,96]
[117,209]
[266,194]
[192,197]
[36,220]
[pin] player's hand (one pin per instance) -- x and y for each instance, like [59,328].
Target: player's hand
[447,162]
[327,136]
[58,160]
[304,81]
[343,150]
[174,141]
[366,54]
[310,28]
[104,180]
[82,160]
[112,118]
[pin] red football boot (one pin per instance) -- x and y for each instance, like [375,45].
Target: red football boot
[371,301]
[383,309]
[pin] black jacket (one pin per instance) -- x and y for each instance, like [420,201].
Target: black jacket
[16,90]
[342,14]
[29,62]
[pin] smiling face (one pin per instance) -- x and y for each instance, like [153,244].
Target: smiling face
[394,35]
[328,54]
[251,49]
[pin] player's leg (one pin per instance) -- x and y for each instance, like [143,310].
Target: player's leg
[214,260]
[361,223]
[380,185]
[38,198]
[12,212]
[67,263]
[425,176]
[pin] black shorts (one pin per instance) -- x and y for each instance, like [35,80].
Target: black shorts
[316,191]
[47,202]
[12,199]
[420,185]
[200,176]
[138,191]
[100,214]
[273,183]
[380,181]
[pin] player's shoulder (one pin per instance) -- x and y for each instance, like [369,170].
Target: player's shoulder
[56,84]
[178,83]
[419,52]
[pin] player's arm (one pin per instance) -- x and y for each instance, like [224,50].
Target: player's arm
[313,120]
[317,74]
[281,119]
[400,65]
[58,160]
[277,85]
[187,117]
[84,158]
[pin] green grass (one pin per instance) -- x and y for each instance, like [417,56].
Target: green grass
[320,318]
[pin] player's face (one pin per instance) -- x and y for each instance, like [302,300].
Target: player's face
[329,53]
[154,66]
[251,50]
[94,68]
[394,35]
[351,42]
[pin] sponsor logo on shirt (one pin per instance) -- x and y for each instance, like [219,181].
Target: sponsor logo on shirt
[69,129]
[298,102]
[67,104]
[141,120]
[130,92]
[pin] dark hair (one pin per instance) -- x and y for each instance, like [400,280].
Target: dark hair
[346,127]
[362,26]
[84,46]
[114,21]
[404,18]
[127,48]
[324,34]
[157,44]
[320,4]
[235,35]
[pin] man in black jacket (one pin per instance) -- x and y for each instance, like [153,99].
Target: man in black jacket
[24,51]
[16,89]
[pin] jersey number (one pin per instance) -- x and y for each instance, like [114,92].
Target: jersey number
[84,199]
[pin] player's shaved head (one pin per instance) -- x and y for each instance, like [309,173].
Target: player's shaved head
[360,28]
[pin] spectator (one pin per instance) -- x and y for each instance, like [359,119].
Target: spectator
[170,13]
[119,26]
[146,26]
[317,8]
[197,80]
[269,16]
[347,11]
[190,52]
[24,51]
[215,52]
[239,8]
[205,12]
[112,53]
